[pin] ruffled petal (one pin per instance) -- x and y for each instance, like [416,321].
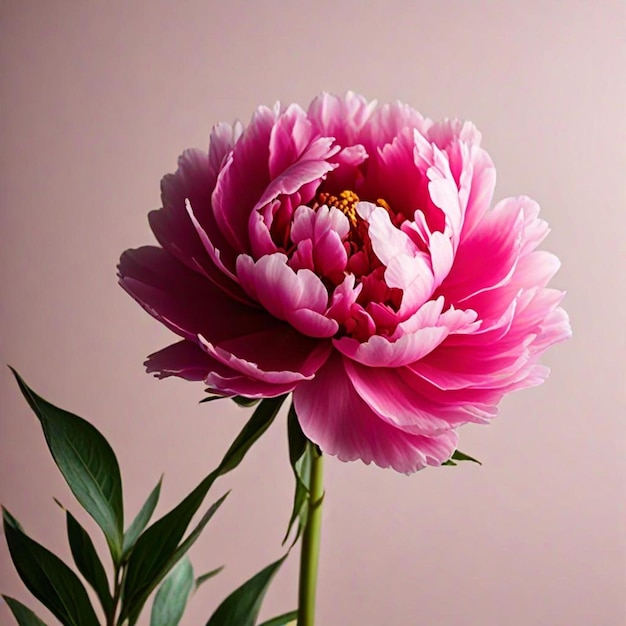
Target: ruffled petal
[297,297]
[333,415]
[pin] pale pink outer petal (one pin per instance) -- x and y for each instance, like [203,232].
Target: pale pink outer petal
[333,415]
[340,117]
[390,395]
[488,259]
[387,122]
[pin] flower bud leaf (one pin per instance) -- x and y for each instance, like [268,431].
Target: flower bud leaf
[141,520]
[48,578]
[88,562]
[87,463]
[171,598]
[282,620]
[23,615]
[242,606]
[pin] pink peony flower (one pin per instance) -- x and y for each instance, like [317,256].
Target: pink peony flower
[349,254]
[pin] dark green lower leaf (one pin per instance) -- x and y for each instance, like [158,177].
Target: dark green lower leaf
[23,615]
[87,463]
[171,598]
[48,578]
[243,605]
[282,620]
[88,562]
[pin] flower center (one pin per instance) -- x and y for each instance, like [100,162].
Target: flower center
[346,202]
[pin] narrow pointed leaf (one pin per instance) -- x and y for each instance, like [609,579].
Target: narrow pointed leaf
[171,598]
[88,562]
[243,605]
[300,459]
[135,604]
[282,620]
[9,519]
[260,421]
[212,399]
[449,462]
[202,579]
[155,547]
[23,615]
[457,455]
[142,519]
[49,579]
[87,463]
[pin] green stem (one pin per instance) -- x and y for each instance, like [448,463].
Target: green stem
[309,556]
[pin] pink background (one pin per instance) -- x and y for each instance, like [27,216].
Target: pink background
[99,98]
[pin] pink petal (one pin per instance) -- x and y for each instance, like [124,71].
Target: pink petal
[184,359]
[297,297]
[183,300]
[236,192]
[379,351]
[276,356]
[387,122]
[333,415]
[387,392]
[488,259]
[341,118]
[170,224]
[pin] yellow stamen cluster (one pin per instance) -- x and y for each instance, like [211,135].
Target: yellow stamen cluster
[346,202]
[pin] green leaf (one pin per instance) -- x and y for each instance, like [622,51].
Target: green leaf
[240,400]
[243,605]
[245,402]
[9,519]
[87,463]
[202,579]
[48,578]
[142,519]
[171,598]
[449,462]
[23,615]
[300,459]
[158,543]
[213,398]
[133,606]
[282,620]
[88,562]
[457,455]
[260,421]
